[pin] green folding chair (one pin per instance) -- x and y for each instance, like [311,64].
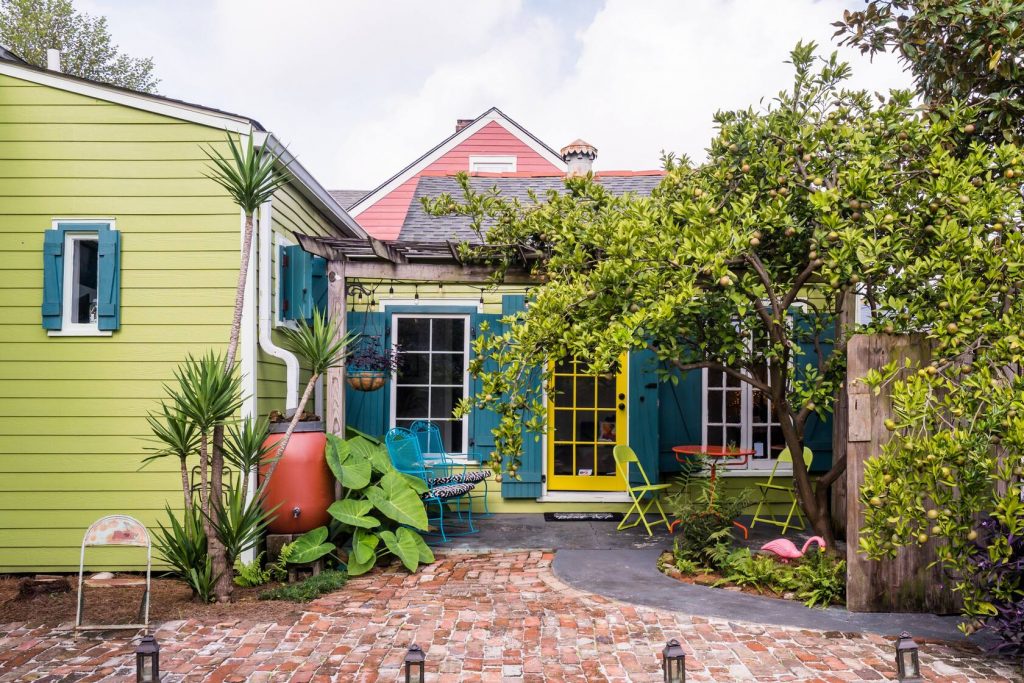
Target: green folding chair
[624,456]
[788,488]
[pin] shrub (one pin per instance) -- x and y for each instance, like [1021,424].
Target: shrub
[250,574]
[997,561]
[756,571]
[309,589]
[821,579]
[182,545]
[705,518]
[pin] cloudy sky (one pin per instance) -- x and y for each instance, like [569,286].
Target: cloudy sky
[359,88]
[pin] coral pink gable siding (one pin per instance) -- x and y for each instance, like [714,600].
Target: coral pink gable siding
[384,218]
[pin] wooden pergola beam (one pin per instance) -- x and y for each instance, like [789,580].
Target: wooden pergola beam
[446,273]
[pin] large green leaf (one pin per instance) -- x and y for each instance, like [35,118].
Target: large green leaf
[426,555]
[417,484]
[351,470]
[403,547]
[397,500]
[374,453]
[353,512]
[364,546]
[355,567]
[310,546]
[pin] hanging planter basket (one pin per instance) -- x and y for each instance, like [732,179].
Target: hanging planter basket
[366,380]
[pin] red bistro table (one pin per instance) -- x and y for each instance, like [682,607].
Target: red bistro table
[714,454]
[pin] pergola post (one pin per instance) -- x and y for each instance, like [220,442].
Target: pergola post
[337,310]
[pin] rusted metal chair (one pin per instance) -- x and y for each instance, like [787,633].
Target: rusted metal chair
[115,530]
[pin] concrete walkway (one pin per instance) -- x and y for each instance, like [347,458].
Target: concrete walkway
[594,557]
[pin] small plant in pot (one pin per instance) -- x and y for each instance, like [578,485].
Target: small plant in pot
[371,363]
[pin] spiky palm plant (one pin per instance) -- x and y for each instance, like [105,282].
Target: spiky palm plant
[179,437]
[317,343]
[250,176]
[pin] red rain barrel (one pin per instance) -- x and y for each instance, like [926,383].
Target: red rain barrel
[302,487]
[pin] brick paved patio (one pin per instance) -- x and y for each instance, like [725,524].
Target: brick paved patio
[493,617]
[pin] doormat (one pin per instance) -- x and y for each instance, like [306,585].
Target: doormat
[582,516]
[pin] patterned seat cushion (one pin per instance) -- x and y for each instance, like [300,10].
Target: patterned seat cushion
[447,491]
[474,477]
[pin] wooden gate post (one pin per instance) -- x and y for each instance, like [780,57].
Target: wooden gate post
[905,583]
[337,311]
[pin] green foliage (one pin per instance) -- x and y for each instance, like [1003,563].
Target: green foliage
[317,345]
[182,545]
[239,522]
[204,394]
[308,589]
[379,506]
[30,27]
[955,455]
[686,567]
[820,578]
[279,570]
[705,520]
[958,52]
[251,574]
[244,444]
[309,547]
[745,263]
[761,572]
[250,175]
[176,435]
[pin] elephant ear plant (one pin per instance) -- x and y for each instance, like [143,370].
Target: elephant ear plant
[379,514]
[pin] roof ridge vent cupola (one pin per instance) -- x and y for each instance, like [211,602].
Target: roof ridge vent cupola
[579,157]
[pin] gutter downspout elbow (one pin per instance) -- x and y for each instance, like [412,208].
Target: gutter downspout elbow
[291,361]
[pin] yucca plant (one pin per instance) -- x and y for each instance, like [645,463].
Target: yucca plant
[245,445]
[317,344]
[238,521]
[182,545]
[180,439]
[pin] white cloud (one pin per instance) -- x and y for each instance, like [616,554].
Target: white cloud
[360,88]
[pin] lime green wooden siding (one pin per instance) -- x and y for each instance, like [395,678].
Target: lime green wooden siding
[72,409]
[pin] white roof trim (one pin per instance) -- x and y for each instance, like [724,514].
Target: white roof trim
[493,115]
[141,101]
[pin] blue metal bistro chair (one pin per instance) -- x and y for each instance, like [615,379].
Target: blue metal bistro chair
[432,447]
[404,450]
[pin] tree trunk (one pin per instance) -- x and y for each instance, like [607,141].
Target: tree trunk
[218,555]
[810,500]
[186,487]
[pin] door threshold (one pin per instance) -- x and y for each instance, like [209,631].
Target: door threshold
[584,497]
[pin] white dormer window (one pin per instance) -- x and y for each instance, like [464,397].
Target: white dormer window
[492,164]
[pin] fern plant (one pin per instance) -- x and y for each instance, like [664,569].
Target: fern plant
[250,574]
[821,577]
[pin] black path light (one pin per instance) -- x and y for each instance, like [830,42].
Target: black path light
[414,665]
[147,660]
[908,663]
[674,662]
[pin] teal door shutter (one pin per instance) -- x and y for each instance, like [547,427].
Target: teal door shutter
[368,411]
[532,461]
[643,413]
[817,431]
[108,280]
[53,279]
[482,423]
[679,417]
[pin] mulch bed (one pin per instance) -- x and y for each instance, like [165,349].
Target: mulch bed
[666,563]
[170,600]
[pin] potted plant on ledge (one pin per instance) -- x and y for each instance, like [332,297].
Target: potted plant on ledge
[371,364]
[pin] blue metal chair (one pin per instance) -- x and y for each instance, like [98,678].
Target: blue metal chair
[404,450]
[432,447]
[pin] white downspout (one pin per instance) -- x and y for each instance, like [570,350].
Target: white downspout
[291,361]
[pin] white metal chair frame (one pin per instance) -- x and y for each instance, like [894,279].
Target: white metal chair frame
[89,541]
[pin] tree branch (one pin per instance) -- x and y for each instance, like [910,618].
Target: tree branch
[736,374]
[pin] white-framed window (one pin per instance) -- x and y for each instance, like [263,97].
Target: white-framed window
[81,281]
[492,164]
[434,374]
[737,414]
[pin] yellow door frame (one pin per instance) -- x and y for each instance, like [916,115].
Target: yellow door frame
[592,481]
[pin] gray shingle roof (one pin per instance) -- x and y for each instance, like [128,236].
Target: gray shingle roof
[347,198]
[422,227]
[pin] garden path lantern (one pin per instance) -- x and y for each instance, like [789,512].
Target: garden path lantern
[147,660]
[414,663]
[908,664]
[674,662]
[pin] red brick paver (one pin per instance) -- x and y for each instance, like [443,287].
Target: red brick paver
[491,617]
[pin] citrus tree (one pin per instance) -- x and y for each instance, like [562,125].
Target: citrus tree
[746,264]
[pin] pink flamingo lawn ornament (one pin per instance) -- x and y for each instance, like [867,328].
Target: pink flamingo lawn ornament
[786,551]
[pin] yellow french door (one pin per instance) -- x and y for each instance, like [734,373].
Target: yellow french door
[586,420]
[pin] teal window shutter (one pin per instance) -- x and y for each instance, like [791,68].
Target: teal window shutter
[680,408]
[532,460]
[318,286]
[108,280]
[643,413]
[817,431]
[482,423]
[369,411]
[53,279]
